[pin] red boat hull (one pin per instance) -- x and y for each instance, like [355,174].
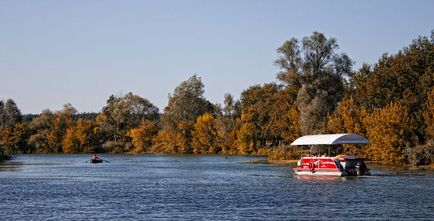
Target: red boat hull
[331,166]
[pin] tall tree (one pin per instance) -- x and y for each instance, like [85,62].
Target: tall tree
[10,114]
[185,105]
[225,123]
[428,115]
[141,137]
[120,115]
[205,136]
[80,138]
[257,102]
[388,133]
[405,77]
[41,127]
[12,131]
[317,73]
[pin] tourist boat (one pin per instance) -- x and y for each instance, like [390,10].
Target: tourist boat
[341,165]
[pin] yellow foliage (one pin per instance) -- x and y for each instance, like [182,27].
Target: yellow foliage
[205,136]
[167,141]
[246,134]
[70,142]
[78,137]
[142,136]
[294,127]
[386,129]
[428,115]
[347,118]
[12,137]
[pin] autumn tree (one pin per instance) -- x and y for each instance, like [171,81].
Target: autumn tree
[12,131]
[80,138]
[226,124]
[428,116]
[185,105]
[142,136]
[120,115]
[40,129]
[246,137]
[259,103]
[62,121]
[284,117]
[49,129]
[205,137]
[10,114]
[317,73]
[405,77]
[388,133]
[347,118]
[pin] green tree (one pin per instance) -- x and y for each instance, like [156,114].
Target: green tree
[120,115]
[10,114]
[185,105]
[40,130]
[12,131]
[317,73]
[256,102]
[48,129]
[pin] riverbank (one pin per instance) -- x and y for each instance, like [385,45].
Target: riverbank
[270,161]
[409,167]
[4,158]
[282,161]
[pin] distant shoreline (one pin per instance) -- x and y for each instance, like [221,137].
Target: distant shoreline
[408,167]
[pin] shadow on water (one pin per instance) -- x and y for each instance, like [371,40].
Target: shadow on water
[10,166]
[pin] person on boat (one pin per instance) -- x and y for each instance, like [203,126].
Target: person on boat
[95,157]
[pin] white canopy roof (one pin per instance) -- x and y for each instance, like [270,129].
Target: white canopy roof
[330,139]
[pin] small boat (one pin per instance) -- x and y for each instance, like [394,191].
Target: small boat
[96,160]
[341,165]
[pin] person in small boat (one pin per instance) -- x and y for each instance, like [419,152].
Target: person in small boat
[95,157]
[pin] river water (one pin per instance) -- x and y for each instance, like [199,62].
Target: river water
[153,187]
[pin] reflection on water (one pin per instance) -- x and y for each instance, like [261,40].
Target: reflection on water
[149,187]
[321,178]
[10,166]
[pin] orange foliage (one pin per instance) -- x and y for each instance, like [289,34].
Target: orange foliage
[142,136]
[386,129]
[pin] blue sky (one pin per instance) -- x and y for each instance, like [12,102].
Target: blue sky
[81,52]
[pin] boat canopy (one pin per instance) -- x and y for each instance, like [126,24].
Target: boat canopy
[330,139]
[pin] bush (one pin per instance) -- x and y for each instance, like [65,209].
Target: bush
[422,155]
[113,147]
[284,153]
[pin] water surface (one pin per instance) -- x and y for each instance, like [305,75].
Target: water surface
[152,187]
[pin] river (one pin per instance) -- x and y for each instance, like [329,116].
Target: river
[155,187]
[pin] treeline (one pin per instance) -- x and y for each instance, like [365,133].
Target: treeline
[390,102]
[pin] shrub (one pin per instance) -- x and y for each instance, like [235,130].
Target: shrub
[284,153]
[422,155]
